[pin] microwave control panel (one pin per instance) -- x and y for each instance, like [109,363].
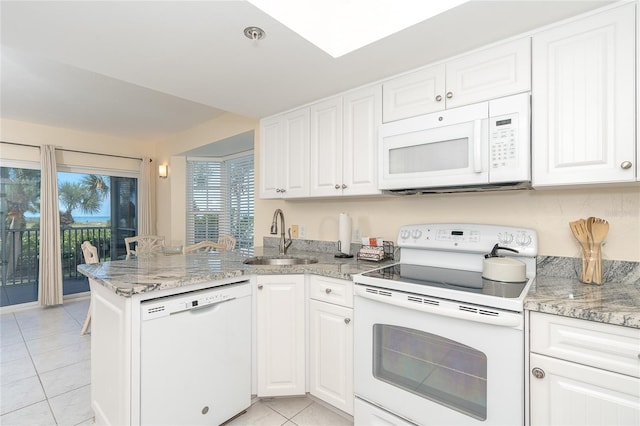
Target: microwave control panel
[504,141]
[510,139]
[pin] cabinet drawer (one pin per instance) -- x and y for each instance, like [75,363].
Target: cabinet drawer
[332,290]
[565,393]
[604,346]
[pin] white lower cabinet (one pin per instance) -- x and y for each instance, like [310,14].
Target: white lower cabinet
[331,341]
[280,335]
[583,373]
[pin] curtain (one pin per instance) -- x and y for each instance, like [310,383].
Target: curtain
[145,223]
[50,265]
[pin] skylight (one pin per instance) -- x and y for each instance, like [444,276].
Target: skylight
[342,26]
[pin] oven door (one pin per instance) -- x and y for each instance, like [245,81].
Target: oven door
[446,148]
[437,368]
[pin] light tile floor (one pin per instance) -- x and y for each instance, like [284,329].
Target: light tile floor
[45,376]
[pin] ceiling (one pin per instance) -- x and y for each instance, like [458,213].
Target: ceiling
[149,69]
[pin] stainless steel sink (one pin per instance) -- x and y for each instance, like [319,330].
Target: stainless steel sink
[280,260]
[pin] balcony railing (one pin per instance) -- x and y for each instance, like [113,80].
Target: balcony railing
[20,248]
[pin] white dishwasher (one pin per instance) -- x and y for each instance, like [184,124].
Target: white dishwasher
[195,356]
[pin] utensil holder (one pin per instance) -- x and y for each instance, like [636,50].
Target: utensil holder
[589,267]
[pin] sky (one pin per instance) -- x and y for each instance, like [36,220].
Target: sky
[105,209]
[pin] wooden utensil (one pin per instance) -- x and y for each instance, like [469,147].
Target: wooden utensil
[598,229]
[581,233]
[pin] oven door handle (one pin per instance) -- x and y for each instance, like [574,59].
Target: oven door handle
[445,308]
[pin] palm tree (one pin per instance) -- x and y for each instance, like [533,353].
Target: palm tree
[77,196]
[97,184]
[19,194]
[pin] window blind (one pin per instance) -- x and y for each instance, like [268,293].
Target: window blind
[220,200]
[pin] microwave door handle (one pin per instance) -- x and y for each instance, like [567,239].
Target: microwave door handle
[477,146]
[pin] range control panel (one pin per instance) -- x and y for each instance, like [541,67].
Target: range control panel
[472,238]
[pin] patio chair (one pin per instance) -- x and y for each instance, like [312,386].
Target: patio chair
[143,244]
[203,246]
[90,254]
[227,241]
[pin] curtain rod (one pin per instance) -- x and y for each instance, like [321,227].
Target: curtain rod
[77,151]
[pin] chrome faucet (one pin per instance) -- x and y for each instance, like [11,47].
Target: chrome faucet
[284,244]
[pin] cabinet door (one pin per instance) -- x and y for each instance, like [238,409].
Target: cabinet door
[573,394]
[489,74]
[271,161]
[331,354]
[295,154]
[362,117]
[417,93]
[326,148]
[583,101]
[280,335]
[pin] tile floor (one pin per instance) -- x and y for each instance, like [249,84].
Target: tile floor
[45,375]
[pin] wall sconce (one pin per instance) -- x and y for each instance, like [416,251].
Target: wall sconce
[163,171]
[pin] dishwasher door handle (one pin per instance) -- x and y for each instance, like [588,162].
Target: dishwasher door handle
[199,309]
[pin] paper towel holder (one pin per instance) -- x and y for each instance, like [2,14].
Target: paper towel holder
[340,254]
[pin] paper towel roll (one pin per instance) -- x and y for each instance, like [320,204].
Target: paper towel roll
[344,233]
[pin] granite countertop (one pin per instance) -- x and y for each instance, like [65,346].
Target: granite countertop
[610,303]
[557,291]
[159,272]
[614,302]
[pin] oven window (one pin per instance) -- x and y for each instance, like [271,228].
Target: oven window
[432,367]
[430,157]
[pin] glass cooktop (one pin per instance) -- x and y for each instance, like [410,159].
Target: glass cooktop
[450,279]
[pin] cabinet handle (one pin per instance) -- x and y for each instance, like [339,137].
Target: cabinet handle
[337,186]
[260,286]
[278,190]
[327,290]
[347,320]
[626,165]
[438,98]
[283,190]
[344,186]
[449,95]
[538,373]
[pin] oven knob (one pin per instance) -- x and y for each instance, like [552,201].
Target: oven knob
[505,238]
[538,373]
[416,234]
[405,233]
[523,239]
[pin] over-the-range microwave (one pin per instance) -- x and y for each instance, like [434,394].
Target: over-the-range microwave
[476,147]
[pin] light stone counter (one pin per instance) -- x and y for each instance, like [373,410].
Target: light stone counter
[159,272]
[557,291]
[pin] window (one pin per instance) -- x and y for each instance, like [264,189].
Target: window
[220,199]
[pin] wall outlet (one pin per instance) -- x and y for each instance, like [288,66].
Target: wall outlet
[294,231]
[302,231]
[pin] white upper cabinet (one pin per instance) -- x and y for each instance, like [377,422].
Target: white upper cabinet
[326,147]
[490,73]
[417,93]
[284,155]
[344,144]
[583,100]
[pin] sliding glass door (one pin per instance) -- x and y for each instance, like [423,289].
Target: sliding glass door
[19,234]
[93,207]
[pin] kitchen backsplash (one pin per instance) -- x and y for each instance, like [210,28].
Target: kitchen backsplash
[309,245]
[615,271]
